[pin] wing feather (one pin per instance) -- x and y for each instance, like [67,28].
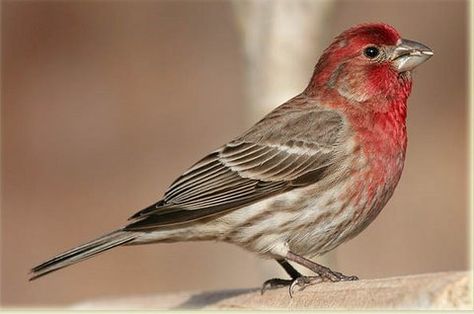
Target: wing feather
[257,165]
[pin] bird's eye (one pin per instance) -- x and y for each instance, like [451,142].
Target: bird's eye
[371,52]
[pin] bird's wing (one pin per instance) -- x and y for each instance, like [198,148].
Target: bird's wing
[289,148]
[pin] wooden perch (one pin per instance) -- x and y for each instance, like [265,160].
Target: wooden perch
[449,290]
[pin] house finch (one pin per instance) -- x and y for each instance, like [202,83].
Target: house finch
[310,175]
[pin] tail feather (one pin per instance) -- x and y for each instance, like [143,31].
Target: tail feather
[82,252]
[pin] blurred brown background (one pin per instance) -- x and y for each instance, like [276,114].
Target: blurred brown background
[105,103]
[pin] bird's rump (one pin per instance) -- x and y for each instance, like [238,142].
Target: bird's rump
[255,166]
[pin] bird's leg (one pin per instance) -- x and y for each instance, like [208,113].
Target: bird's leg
[279,283]
[289,269]
[323,273]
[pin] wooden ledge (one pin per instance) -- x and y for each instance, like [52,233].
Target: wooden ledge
[448,290]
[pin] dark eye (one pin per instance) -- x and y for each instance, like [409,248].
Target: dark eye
[371,52]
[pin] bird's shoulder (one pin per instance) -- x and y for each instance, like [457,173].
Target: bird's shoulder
[300,121]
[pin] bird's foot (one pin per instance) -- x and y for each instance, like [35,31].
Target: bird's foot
[303,281]
[327,274]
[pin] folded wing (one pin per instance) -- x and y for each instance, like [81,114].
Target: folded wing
[288,149]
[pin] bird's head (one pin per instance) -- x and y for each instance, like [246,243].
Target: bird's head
[366,61]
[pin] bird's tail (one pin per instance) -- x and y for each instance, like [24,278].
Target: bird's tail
[83,252]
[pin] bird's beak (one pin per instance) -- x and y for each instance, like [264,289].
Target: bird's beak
[409,54]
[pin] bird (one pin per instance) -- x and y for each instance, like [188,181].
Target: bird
[310,175]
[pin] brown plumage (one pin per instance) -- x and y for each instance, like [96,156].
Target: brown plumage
[258,164]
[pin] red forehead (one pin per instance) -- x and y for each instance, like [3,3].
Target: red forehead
[375,33]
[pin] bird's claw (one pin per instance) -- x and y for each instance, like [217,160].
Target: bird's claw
[302,282]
